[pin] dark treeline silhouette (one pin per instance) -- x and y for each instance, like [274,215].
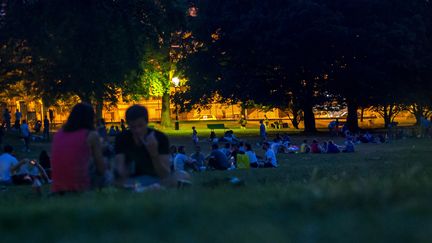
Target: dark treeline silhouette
[96,50]
[294,55]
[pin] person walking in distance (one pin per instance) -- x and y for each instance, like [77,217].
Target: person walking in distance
[25,134]
[18,116]
[263,132]
[46,129]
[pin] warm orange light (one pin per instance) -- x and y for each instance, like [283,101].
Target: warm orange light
[176,81]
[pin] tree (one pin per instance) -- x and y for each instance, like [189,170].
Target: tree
[419,93]
[14,62]
[376,62]
[294,109]
[87,47]
[168,44]
[262,52]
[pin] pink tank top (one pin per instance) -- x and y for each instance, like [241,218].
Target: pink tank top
[70,161]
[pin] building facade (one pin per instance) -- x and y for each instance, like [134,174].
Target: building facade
[34,110]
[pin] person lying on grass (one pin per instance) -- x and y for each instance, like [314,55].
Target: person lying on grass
[315,148]
[24,172]
[143,154]
[349,146]
[324,147]
[332,148]
[304,147]
[27,171]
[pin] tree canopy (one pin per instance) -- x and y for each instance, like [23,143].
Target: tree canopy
[92,49]
[367,52]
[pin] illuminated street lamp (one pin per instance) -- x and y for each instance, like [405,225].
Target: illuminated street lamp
[176,82]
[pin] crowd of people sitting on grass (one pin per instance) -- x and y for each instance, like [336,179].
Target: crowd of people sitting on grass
[85,156]
[228,157]
[228,136]
[39,131]
[25,171]
[82,157]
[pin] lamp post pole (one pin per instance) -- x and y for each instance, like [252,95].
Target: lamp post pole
[177,124]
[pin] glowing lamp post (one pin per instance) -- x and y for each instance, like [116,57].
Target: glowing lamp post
[176,82]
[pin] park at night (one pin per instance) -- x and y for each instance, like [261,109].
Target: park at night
[215,121]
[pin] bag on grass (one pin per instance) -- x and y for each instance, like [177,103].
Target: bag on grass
[243,161]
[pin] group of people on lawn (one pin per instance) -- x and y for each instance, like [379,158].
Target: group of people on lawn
[231,156]
[23,128]
[235,153]
[25,171]
[142,155]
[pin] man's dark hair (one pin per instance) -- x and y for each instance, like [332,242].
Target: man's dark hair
[101,122]
[181,149]
[135,112]
[8,149]
[215,146]
[248,147]
[173,148]
[81,117]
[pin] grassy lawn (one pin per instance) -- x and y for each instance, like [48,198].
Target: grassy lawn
[382,193]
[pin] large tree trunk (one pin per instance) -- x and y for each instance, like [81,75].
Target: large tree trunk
[295,110]
[296,118]
[99,108]
[387,115]
[418,111]
[166,112]
[85,98]
[243,110]
[309,118]
[44,111]
[352,119]
[418,115]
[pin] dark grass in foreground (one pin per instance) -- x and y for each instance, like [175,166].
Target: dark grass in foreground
[383,193]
